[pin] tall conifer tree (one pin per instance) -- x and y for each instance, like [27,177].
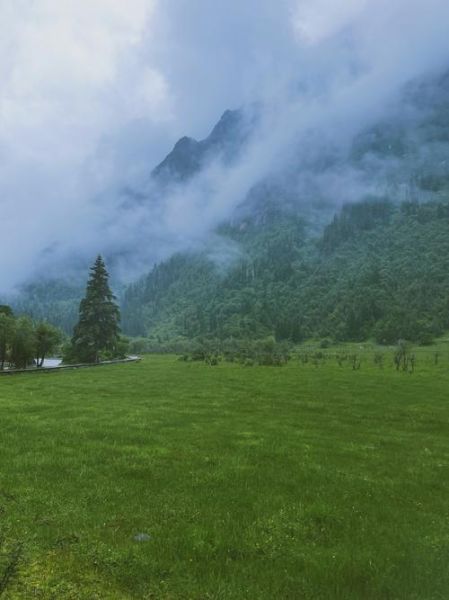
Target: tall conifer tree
[98,328]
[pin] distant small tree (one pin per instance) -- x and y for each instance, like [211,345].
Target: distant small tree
[402,356]
[379,359]
[48,339]
[356,362]
[97,331]
[7,334]
[23,346]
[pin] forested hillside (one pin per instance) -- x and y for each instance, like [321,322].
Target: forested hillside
[282,264]
[56,301]
[378,271]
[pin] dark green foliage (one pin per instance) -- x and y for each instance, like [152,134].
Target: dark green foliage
[23,347]
[378,271]
[48,338]
[97,333]
[326,343]
[404,359]
[354,219]
[378,359]
[24,343]
[266,352]
[138,345]
[6,310]
[356,362]
[7,335]
[190,297]
[270,353]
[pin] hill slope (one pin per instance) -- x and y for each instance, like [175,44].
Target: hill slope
[378,270]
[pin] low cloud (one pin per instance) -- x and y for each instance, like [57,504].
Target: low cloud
[95,94]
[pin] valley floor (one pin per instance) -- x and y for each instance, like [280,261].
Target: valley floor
[174,480]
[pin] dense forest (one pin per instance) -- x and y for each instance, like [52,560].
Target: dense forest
[378,271]
[55,300]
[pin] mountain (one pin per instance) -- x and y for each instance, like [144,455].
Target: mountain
[303,272]
[57,300]
[335,242]
[190,156]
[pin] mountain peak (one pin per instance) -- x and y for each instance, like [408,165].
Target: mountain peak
[185,143]
[227,127]
[189,156]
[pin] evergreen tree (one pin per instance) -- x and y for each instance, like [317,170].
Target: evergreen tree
[97,332]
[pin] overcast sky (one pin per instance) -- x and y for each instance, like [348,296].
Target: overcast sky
[95,92]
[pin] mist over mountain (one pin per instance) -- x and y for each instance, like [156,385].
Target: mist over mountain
[190,156]
[87,116]
[403,156]
[324,104]
[333,243]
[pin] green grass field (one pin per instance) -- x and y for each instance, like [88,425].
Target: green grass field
[250,483]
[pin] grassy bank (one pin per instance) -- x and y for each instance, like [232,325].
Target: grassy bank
[173,480]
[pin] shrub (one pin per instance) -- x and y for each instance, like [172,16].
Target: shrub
[325,343]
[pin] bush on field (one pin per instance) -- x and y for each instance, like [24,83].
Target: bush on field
[266,352]
[403,358]
[271,353]
[325,343]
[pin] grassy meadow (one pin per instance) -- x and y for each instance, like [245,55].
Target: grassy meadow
[174,480]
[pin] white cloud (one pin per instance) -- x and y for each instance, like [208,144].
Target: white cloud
[315,20]
[71,75]
[60,62]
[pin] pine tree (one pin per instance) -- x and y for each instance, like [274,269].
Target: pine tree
[97,331]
